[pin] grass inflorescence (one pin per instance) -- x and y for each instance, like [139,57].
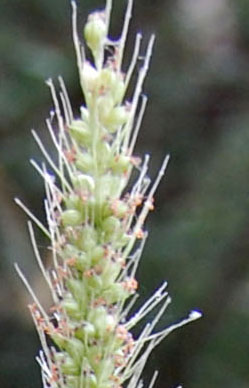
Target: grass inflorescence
[95,225]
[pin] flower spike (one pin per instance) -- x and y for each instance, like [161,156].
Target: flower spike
[95,224]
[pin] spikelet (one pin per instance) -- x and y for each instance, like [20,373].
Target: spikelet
[95,226]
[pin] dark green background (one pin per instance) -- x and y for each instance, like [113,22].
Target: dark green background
[199,112]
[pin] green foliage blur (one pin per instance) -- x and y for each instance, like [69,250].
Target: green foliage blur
[198,87]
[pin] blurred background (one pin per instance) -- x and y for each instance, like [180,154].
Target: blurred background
[198,111]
